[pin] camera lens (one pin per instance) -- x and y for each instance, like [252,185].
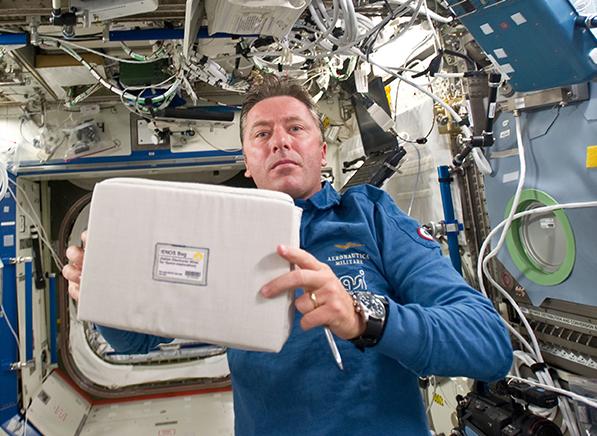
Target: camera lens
[537,426]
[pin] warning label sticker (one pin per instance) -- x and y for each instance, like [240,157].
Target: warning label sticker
[180,264]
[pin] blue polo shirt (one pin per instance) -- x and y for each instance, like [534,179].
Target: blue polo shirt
[437,324]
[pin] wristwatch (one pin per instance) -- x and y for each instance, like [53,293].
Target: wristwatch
[373,308]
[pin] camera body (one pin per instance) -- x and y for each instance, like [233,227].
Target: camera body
[501,410]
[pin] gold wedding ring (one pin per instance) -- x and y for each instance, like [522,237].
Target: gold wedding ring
[314,300]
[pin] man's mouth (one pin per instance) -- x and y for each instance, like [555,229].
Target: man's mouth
[283,162]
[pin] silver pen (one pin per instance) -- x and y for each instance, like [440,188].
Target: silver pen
[333,347]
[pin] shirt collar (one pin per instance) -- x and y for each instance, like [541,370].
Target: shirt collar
[325,198]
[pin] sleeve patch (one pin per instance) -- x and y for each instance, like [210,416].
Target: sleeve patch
[424,234]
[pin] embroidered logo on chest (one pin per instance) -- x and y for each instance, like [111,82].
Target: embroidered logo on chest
[354,283]
[348,245]
[348,259]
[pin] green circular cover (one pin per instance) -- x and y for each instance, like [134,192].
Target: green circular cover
[515,246]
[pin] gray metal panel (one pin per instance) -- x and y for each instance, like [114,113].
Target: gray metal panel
[556,154]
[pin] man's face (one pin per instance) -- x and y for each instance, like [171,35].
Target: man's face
[283,148]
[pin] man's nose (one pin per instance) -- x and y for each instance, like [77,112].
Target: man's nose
[280,139]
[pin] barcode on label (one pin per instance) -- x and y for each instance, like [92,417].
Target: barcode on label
[192,274]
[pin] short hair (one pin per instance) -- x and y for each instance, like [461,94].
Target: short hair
[272,86]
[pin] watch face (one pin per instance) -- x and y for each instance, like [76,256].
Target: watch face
[373,304]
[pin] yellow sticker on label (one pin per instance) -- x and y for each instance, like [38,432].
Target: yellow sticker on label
[439,399]
[592,156]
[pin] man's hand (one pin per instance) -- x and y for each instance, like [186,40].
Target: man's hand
[325,301]
[72,270]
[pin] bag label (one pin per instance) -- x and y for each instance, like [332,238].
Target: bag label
[180,264]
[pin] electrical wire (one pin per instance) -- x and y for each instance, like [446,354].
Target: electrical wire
[457,118]
[351,35]
[82,96]
[344,43]
[26,418]
[580,398]
[343,10]
[449,75]
[324,34]
[412,199]
[227,60]
[169,93]
[436,39]
[435,16]
[42,233]
[406,28]
[138,98]
[3,179]
[568,416]
[520,338]
[432,400]
[415,187]
[527,360]
[97,52]
[391,16]
[407,60]
[482,269]
[154,56]
[538,210]
[518,193]
[5,316]
[504,293]
[483,260]
[416,148]
[3,190]
[23,120]
[416,9]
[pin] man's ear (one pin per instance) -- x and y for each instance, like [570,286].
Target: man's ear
[324,150]
[247,171]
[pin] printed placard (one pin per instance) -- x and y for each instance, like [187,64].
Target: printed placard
[180,264]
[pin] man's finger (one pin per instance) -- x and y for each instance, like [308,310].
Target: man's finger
[299,278]
[75,255]
[305,303]
[71,273]
[73,291]
[315,318]
[299,257]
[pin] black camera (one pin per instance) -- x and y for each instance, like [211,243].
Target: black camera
[501,409]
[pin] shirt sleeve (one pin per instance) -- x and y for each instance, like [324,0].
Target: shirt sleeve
[437,324]
[126,342]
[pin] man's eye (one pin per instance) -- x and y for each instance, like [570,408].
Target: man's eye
[261,134]
[296,128]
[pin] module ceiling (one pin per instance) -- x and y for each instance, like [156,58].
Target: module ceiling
[18,12]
